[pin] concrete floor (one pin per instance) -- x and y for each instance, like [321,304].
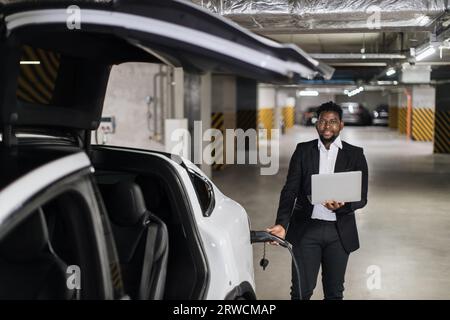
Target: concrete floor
[404,229]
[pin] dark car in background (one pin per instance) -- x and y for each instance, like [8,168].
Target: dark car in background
[354,113]
[309,117]
[380,116]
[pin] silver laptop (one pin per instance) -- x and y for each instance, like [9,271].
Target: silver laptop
[340,186]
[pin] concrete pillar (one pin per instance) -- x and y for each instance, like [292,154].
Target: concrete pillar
[393,103]
[277,113]
[223,112]
[286,103]
[416,103]
[402,110]
[442,119]
[178,93]
[266,104]
[192,111]
[246,103]
[205,114]
[423,107]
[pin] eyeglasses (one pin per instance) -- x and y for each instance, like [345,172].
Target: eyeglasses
[332,123]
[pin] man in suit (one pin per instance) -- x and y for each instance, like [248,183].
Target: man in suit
[322,234]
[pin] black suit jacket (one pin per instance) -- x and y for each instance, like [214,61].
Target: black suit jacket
[304,163]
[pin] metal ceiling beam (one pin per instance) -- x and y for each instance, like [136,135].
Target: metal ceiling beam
[357,56]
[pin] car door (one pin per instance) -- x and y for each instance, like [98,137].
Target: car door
[54,239]
[168,194]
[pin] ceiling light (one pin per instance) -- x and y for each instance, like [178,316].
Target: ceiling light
[424,20]
[309,93]
[386,83]
[355,91]
[426,53]
[390,72]
[29,62]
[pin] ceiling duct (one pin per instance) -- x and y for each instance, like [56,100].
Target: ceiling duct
[297,16]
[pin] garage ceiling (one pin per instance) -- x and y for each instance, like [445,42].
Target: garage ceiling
[360,38]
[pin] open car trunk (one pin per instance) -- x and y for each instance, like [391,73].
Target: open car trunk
[66,89]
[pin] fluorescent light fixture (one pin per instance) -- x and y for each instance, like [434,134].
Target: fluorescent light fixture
[426,53]
[424,20]
[308,93]
[30,62]
[355,91]
[386,83]
[390,72]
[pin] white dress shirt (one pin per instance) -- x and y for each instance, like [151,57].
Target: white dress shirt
[326,165]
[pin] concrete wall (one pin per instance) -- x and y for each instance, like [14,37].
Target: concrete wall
[223,93]
[129,85]
[266,97]
[370,99]
[423,97]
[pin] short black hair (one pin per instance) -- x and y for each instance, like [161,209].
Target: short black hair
[330,106]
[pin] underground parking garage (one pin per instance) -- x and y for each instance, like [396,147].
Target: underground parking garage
[157,150]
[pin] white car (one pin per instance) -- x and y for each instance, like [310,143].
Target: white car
[81,221]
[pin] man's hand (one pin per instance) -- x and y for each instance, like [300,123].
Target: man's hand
[277,230]
[333,205]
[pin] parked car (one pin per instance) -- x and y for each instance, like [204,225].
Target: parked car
[380,116]
[82,221]
[354,113]
[309,117]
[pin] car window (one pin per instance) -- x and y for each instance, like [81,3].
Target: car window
[63,86]
[52,253]
[205,193]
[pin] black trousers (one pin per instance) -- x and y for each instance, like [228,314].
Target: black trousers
[320,245]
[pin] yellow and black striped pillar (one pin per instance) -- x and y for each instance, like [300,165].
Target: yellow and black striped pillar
[401,123]
[265,120]
[246,119]
[217,122]
[422,124]
[442,119]
[288,116]
[442,131]
[36,83]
